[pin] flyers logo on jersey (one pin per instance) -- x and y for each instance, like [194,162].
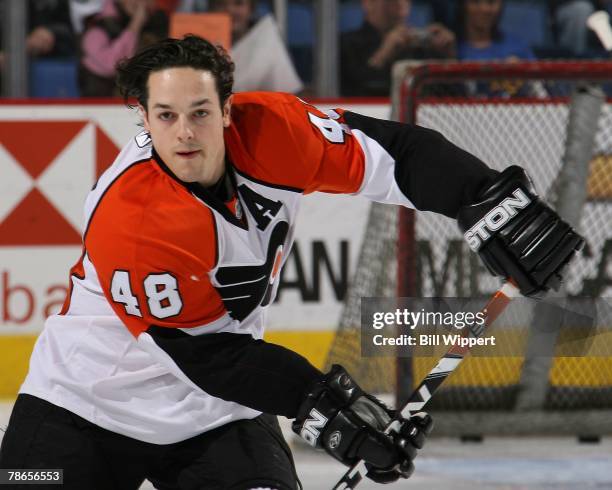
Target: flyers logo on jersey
[243,288]
[47,168]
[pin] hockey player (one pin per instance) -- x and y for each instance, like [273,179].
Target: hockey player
[155,367]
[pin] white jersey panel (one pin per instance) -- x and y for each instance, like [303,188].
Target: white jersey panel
[379,182]
[92,366]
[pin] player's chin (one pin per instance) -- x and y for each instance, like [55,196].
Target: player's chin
[187,172]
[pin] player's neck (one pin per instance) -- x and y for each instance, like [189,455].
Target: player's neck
[223,189]
[213,173]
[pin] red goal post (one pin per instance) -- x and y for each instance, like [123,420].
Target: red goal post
[410,78]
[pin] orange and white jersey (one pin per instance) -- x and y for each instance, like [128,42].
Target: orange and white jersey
[166,260]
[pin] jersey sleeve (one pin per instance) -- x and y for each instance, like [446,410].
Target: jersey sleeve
[281,140]
[415,166]
[337,151]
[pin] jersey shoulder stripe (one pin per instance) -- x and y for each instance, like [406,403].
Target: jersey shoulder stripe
[137,151]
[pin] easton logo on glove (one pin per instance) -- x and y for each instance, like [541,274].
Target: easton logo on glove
[495,219]
[310,430]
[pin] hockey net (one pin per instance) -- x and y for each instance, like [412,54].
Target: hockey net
[530,114]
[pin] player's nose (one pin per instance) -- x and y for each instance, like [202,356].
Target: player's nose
[185,132]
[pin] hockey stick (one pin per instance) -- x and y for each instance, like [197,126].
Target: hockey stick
[446,365]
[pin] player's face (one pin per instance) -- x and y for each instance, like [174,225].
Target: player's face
[186,122]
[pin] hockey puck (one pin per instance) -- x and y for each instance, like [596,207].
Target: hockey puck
[589,439]
[471,438]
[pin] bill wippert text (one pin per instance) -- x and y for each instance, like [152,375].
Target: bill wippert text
[433,340]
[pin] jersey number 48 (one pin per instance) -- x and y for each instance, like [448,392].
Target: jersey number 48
[163,298]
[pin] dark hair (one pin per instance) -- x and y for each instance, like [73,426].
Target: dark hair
[191,51]
[461,16]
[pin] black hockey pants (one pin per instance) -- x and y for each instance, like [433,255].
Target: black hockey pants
[238,456]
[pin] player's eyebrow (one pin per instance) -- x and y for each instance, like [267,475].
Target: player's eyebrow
[159,105]
[200,102]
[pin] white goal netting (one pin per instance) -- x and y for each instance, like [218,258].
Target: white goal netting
[555,120]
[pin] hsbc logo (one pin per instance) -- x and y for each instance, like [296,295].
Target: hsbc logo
[495,219]
[47,168]
[49,159]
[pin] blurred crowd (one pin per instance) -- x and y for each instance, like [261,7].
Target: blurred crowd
[93,35]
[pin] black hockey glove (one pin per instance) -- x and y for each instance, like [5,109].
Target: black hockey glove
[349,424]
[517,235]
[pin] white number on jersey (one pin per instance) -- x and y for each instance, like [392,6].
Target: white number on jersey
[162,293]
[121,291]
[330,129]
[163,297]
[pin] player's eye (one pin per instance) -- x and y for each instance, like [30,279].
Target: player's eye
[165,116]
[200,113]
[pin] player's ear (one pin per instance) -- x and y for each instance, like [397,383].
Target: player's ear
[145,117]
[227,112]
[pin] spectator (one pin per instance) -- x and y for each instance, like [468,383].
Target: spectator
[368,53]
[49,35]
[119,31]
[50,32]
[261,58]
[479,36]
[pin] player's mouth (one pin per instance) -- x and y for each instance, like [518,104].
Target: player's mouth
[188,154]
